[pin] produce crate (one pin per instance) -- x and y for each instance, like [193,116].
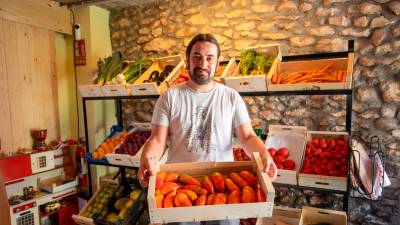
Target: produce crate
[254,83]
[293,138]
[57,183]
[82,218]
[170,80]
[323,181]
[132,213]
[226,69]
[290,216]
[212,212]
[115,90]
[90,90]
[311,215]
[151,88]
[126,159]
[345,64]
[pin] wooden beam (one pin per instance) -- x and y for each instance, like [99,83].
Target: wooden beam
[39,13]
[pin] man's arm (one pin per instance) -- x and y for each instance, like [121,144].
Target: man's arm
[252,143]
[152,153]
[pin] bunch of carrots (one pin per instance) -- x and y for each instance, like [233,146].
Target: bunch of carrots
[324,75]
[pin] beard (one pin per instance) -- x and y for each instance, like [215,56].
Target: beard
[200,76]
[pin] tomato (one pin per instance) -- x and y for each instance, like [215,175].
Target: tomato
[322,143]
[289,164]
[318,170]
[309,145]
[331,166]
[325,155]
[343,169]
[279,159]
[272,152]
[337,163]
[317,151]
[331,143]
[308,151]
[279,165]
[283,152]
[325,161]
[313,159]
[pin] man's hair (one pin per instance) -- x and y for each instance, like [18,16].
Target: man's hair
[202,37]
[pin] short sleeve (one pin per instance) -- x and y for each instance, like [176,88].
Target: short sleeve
[161,111]
[240,115]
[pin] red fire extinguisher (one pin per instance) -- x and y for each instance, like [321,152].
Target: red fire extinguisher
[81,166]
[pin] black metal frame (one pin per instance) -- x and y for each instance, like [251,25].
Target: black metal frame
[347,92]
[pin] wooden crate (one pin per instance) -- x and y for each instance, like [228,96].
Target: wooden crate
[212,212]
[311,215]
[304,65]
[82,220]
[294,139]
[179,69]
[90,90]
[140,88]
[115,90]
[290,216]
[251,83]
[321,181]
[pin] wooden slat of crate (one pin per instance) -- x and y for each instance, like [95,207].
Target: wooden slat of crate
[288,215]
[294,66]
[90,90]
[140,88]
[115,90]
[82,220]
[311,215]
[170,80]
[288,176]
[321,181]
[212,212]
[251,83]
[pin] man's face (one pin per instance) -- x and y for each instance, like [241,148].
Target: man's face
[203,62]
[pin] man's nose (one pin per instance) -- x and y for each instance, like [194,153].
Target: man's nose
[203,63]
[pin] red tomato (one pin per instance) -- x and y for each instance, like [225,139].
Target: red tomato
[272,152]
[322,143]
[317,151]
[283,152]
[279,165]
[279,159]
[289,164]
[308,151]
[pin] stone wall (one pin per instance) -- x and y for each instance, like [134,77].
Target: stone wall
[301,27]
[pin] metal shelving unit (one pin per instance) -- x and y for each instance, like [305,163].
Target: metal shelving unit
[346,92]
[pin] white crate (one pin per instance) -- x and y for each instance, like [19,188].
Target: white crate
[311,215]
[58,183]
[294,139]
[140,88]
[251,83]
[321,181]
[90,90]
[212,212]
[287,215]
[305,65]
[115,90]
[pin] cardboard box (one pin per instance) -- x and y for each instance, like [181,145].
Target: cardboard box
[294,139]
[151,88]
[311,215]
[345,64]
[212,212]
[321,181]
[254,83]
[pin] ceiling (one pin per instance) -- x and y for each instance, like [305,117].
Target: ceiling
[108,4]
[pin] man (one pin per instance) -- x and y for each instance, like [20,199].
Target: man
[199,117]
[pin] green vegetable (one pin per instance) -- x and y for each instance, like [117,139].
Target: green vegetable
[253,63]
[134,70]
[247,61]
[109,68]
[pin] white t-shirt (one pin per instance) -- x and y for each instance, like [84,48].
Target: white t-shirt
[200,125]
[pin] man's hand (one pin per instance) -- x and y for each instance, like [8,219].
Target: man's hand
[269,165]
[148,167]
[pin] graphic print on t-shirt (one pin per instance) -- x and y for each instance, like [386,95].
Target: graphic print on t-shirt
[198,135]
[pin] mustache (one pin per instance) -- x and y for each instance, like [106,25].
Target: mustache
[197,70]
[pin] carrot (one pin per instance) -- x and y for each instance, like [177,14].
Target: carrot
[274,78]
[278,79]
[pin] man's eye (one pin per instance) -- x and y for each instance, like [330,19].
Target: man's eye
[210,59]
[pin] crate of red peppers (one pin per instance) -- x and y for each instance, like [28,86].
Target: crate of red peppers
[129,151]
[325,163]
[286,146]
